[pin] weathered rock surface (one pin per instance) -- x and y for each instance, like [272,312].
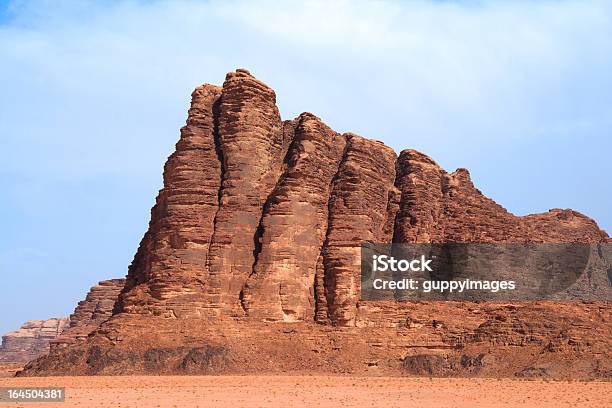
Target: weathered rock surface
[96,308]
[169,272]
[567,340]
[358,212]
[251,141]
[292,229]
[251,261]
[439,207]
[31,340]
[36,337]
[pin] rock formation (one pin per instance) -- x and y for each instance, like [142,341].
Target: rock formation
[292,229]
[36,337]
[31,340]
[96,308]
[441,207]
[170,266]
[251,259]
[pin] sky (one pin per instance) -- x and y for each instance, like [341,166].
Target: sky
[92,96]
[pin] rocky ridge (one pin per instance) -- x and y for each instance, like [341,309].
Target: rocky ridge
[262,218]
[36,337]
[96,308]
[31,340]
[256,235]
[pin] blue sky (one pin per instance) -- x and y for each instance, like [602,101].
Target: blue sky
[93,95]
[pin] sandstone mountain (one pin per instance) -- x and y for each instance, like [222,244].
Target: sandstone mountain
[251,261]
[96,308]
[36,337]
[31,340]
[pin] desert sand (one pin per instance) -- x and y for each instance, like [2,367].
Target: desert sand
[317,391]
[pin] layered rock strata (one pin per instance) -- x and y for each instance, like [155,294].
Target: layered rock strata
[259,223]
[96,308]
[292,229]
[436,206]
[358,213]
[31,340]
[251,144]
[169,273]
[263,219]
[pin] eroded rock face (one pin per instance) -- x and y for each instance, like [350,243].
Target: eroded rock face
[31,340]
[96,308]
[292,229]
[170,268]
[436,206]
[358,212]
[263,219]
[251,141]
[255,237]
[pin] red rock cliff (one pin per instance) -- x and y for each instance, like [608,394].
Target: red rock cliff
[96,308]
[263,219]
[251,261]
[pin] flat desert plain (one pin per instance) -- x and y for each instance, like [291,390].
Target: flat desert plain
[316,391]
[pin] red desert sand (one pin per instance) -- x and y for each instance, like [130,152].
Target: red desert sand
[319,391]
